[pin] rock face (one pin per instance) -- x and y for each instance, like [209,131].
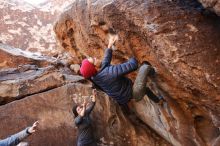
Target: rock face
[180,41]
[29,24]
[213,5]
[29,93]
[13,57]
[21,82]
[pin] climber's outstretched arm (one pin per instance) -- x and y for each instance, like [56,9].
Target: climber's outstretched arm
[107,57]
[124,68]
[108,53]
[15,139]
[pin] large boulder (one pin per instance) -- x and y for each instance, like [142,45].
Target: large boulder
[16,83]
[181,42]
[29,24]
[11,57]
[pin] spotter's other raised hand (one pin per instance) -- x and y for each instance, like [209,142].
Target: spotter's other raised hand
[33,128]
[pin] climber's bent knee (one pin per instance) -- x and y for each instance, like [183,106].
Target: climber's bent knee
[139,87]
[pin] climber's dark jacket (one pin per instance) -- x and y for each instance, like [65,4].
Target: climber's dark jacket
[85,133]
[111,78]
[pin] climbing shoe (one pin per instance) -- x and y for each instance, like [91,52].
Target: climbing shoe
[153,97]
[152,71]
[111,31]
[146,62]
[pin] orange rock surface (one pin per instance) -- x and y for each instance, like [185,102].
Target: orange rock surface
[180,41]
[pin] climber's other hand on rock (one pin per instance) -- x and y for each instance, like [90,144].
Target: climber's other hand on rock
[112,39]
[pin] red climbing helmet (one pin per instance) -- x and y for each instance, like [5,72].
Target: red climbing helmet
[87,69]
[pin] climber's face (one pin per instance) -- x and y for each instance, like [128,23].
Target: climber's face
[79,109]
[94,61]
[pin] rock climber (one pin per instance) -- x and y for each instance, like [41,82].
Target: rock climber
[16,139]
[111,78]
[84,123]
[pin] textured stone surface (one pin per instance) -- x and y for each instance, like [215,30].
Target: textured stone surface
[21,71]
[213,5]
[28,24]
[181,42]
[11,57]
[53,110]
[28,80]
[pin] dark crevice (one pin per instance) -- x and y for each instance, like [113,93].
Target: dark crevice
[195,5]
[102,23]
[70,32]
[190,4]
[64,45]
